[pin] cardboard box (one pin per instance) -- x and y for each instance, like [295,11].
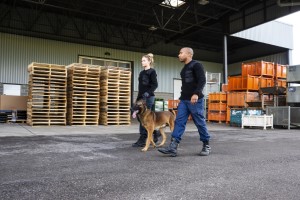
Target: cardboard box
[8,102]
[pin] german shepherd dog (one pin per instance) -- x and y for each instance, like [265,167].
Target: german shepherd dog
[153,120]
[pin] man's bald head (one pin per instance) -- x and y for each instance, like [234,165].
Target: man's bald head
[188,50]
[186,54]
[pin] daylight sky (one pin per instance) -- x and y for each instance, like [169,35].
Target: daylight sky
[293,19]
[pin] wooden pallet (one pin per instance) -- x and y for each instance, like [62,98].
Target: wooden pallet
[22,121]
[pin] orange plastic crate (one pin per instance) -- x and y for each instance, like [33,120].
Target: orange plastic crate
[224,87]
[280,71]
[266,82]
[243,83]
[173,104]
[258,68]
[217,96]
[228,114]
[239,99]
[280,83]
[217,106]
[234,83]
[217,116]
[248,69]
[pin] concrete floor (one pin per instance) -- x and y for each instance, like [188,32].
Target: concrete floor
[98,162]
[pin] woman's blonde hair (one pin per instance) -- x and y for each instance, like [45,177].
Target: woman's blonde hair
[149,56]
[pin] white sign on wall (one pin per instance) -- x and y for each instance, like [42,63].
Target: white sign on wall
[11,89]
[176,88]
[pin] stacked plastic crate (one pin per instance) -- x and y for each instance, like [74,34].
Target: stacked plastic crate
[244,90]
[280,75]
[217,107]
[47,94]
[115,86]
[83,94]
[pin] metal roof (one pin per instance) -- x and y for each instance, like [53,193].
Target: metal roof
[147,25]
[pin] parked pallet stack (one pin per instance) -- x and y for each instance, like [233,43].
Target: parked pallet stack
[47,94]
[83,94]
[115,87]
[217,107]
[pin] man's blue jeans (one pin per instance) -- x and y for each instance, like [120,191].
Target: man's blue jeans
[185,108]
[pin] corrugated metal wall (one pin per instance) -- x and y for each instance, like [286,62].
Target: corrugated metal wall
[17,52]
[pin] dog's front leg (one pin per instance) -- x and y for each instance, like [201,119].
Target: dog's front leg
[164,137]
[149,138]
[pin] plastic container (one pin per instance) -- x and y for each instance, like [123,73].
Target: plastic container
[239,99]
[219,106]
[217,97]
[217,116]
[266,82]
[258,68]
[158,105]
[280,71]
[280,83]
[238,83]
[257,121]
[224,87]
[173,104]
[228,115]
[236,114]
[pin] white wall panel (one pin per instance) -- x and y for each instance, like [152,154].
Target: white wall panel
[17,52]
[274,33]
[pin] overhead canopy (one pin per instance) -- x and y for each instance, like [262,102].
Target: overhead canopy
[156,26]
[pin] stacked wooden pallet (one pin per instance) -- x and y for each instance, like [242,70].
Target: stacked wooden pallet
[83,94]
[115,86]
[47,94]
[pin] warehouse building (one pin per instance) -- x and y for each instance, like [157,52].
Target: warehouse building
[118,33]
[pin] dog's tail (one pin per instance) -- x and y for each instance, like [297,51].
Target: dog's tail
[172,111]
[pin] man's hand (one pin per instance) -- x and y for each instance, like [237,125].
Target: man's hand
[146,95]
[194,99]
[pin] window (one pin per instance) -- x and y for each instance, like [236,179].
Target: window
[104,62]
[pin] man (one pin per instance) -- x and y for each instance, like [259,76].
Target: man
[191,102]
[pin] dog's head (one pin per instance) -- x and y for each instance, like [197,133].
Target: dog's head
[139,107]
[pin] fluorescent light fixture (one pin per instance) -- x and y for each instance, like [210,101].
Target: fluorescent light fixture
[172,3]
[152,28]
[203,2]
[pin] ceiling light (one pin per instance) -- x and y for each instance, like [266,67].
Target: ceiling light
[172,3]
[152,28]
[203,2]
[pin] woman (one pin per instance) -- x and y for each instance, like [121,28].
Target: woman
[147,86]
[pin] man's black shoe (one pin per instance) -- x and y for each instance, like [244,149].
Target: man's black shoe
[171,149]
[141,142]
[205,150]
